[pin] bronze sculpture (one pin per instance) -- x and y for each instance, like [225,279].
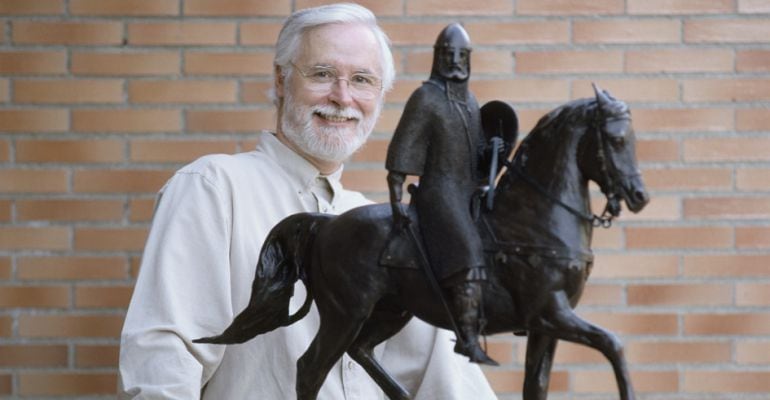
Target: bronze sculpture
[536,242]
[439,138]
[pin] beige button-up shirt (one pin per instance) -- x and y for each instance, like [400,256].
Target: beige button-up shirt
[211,220]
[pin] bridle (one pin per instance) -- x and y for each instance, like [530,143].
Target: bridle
[611,188]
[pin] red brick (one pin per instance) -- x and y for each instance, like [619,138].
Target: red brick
[680,295]
[752,179]
[753,6]
[364,180]
[568,7]
[373,151]
[228,63]
[41,120]
[483,62]
[141,210]
[71,151]
[571,353]
[731,382]
[236,8]
[71,268]
[689,179]
[132,63]
[507,381]
[458,7]
[33,62]
[523,90]
[33,356]
[683,120]
[630,265]
[607,239]
[412,33]
[44,238]
[5,268]
[727,265]
[35,296]
[660,208]
[68,91]
[626,31]
[518,32]
[752,352]
[259,33]
[178,151]
[630,90]
[727,324]
[634,323]
[126,120]
[678,7]
[69,210]
[110,239]
[500,351]
[600,294]
[33,181]
[70,326]
[66,384]
[230,120]
[752,119]
[569,62]
[752,294]
[181,33]
[124,7]
[378,7]
[644,381]
[67,33]
[186,91]
[700,352]
[727,208]
[6,326]
[4,90]
[27,7]
[727,149]
[648,150]
[676,237]
[752,237]
[103,296]
[679,60]
[754,30]
[752,61]
[87,356]
[5,150]
[120,181]
[256,92]
[706,90]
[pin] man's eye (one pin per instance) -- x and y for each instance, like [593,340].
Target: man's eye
[363,80]
[322,75]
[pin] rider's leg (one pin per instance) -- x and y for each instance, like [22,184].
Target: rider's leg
[466,303]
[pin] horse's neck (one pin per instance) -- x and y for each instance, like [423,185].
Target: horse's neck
[522,213]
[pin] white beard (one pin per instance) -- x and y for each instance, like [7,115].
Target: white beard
[325,143]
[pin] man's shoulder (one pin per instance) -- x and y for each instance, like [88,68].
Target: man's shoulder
[218,167]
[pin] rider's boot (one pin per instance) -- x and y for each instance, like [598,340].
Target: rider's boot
[466,298]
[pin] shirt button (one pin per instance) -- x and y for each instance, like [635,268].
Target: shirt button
[351,365]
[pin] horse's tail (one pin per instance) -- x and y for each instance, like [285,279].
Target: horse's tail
[284,259]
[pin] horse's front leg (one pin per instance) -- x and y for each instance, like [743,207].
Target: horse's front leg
[561,322]
[540,352]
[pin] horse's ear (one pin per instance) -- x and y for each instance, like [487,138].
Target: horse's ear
[601,96]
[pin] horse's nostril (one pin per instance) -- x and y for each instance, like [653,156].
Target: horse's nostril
[641,196]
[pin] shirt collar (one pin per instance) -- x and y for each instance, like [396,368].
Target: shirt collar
[296,166]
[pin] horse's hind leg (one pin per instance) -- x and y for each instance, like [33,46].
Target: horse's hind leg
[563,323]
[540,351]
[330,343]
[380,326]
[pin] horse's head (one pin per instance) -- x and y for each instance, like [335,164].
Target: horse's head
[613,162]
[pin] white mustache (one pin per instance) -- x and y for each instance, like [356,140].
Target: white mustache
[335,112]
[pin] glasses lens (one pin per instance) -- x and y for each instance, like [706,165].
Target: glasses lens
[322,78]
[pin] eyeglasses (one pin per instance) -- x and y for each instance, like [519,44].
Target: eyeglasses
[321,78]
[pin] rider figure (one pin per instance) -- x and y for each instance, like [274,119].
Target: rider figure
[440,139]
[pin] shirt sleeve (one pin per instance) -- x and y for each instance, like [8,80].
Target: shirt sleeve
[421,357]
[182,293]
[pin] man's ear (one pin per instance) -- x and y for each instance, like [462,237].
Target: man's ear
[280,81]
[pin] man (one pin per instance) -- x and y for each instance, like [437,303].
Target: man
[440,139]
[332,67]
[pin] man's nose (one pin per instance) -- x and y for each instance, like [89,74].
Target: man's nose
[340,93]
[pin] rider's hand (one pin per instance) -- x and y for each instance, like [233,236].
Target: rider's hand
[401,218]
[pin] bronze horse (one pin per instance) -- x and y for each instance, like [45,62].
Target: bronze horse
[538,241]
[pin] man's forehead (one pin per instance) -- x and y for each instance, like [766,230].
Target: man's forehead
[343,46]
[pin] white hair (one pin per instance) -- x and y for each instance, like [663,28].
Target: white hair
[298,23]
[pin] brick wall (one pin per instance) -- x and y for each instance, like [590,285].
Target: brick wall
[101,100]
